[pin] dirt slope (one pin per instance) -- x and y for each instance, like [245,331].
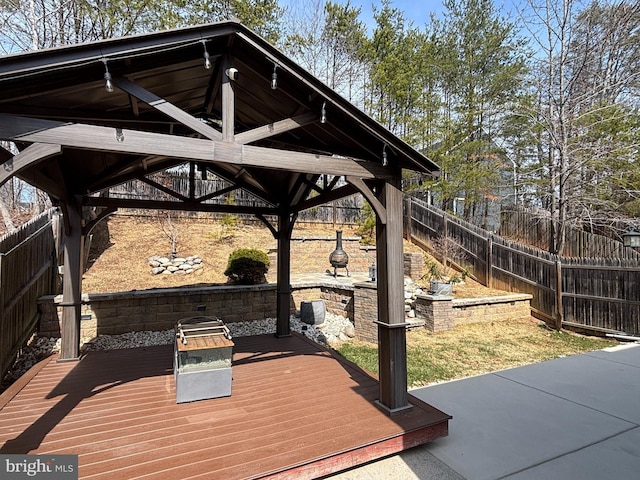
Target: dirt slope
[121,246]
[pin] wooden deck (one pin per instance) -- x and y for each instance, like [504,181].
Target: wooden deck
[295,411]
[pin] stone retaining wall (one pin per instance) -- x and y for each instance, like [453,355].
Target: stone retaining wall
[439,312]
[491,309]
[160,309]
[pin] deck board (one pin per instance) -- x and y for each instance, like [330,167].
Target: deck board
[296,411]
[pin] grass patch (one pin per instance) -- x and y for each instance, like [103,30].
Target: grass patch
[468,350]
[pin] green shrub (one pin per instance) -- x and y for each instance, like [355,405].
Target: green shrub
[367,228]
[247,266]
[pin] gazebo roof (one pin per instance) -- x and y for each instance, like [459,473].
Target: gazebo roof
[166,109]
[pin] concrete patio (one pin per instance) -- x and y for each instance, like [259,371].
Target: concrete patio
[569,418]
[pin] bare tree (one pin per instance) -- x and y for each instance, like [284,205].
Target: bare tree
[585,68]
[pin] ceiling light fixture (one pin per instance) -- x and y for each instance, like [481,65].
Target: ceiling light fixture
[323,113]
[384,156]
[108,83]
[207,58]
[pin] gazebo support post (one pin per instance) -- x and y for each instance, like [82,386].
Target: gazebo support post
[392,341]
[283,307]
[71,280]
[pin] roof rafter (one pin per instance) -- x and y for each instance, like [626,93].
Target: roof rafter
[167,108]
[276,128]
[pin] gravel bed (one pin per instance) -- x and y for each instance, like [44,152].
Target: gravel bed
[331,332]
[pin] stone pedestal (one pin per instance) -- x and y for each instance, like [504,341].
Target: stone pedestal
[413,263]
[437,312]
[365,306]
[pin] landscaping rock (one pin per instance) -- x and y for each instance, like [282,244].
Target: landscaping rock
[176,266]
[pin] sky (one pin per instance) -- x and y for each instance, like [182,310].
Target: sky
[417,11]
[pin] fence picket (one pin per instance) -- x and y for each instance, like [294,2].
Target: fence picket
[26,272]
[595,292]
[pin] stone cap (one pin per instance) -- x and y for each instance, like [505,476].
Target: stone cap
[516,297]
[153,292]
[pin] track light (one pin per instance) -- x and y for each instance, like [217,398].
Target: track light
[207,58]
[108,83]
[323,113]
[274,77]
[384,156]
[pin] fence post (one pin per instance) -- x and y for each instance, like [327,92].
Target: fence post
[408,227]
[489,263]
[559,311]
[335,213]
[445,233]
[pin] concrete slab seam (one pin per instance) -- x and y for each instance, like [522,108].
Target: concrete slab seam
[570,452]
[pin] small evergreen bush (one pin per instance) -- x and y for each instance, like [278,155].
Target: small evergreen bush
[247,266]
[367,228]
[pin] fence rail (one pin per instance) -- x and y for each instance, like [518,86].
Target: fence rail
[598,294]
[26,272]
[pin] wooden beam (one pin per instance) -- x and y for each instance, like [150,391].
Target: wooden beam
[86,230]
[327,197]
[171,205]
[300,188]
[381,212]
[309,163]
[276,128]
[246,183]
[167,108]
[71,281]
[283,289]
[392,342]
[30,156]
[99,138]
[164,189]
[217,193]
[269,225]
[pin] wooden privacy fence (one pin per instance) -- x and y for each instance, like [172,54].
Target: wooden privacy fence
[526,227]
[594,294]
[27,269]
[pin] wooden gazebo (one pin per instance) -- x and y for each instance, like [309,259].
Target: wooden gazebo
[219,99]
